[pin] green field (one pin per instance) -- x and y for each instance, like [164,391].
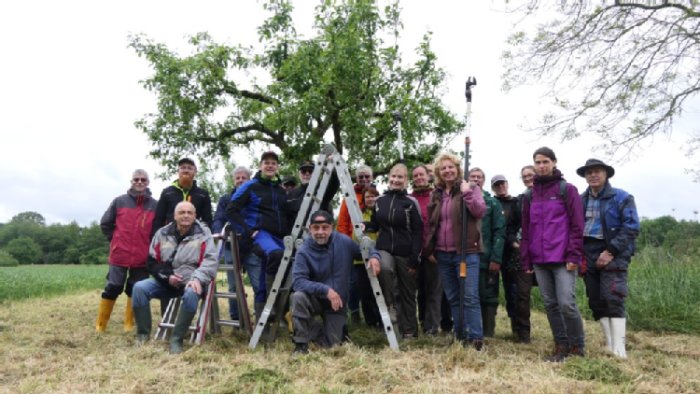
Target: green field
[29,281]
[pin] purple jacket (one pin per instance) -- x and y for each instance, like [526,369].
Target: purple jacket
[552,229]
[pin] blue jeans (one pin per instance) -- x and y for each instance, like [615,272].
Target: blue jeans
[148,289]
[252,265]
[448,264]
[558,289]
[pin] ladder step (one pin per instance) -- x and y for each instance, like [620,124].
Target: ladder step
[229,323]
[232,296]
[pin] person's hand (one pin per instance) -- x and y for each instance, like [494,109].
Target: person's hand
[432,259]
[465,186]
[175,280]
[375,265]
[195,285]
[494,267]
[604,259]
[571,266]
[530,272]
[516,245]
[334,298]
[252,236]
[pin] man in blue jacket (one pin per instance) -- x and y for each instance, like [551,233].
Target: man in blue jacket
[321,279]
[611,227]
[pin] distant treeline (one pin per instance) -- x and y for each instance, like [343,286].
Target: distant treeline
[26,239]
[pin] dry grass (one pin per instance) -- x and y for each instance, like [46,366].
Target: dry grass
[50,346]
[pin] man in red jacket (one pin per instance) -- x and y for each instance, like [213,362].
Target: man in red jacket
[127,225]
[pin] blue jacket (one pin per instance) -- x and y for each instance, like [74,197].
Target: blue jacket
[259,204]
[619,221]
[320,267]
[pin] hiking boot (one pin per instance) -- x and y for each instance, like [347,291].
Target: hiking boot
[559,355]
[477,344]
[300,349]
[577,351]
[355,317]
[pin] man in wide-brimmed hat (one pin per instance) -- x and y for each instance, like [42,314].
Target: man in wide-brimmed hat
[611,227]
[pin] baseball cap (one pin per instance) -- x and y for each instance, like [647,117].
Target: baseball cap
[498,178]
[321,216]
[307,164]
[186,160]
[270,155]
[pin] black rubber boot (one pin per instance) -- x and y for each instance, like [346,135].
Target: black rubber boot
[488,318]
[142,315]
[182,326]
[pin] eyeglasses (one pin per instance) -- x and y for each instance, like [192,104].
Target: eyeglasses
[142,180]
[364,176]
[306,171]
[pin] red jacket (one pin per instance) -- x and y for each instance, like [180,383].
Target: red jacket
[127,225]
[344,225]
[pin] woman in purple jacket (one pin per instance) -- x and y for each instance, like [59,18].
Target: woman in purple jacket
[552,243]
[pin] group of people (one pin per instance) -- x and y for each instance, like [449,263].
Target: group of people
[439,252]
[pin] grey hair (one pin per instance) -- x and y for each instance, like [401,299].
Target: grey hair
[242,169]
[363,168]
[140,172]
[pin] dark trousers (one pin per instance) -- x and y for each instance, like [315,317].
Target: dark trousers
[118,276]
[305,308]
[606,289]
[370,310]
[517,285]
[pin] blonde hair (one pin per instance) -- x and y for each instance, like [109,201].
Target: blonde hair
[436,165]
[401,167]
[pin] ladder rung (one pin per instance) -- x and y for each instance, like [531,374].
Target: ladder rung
[229,323]
[226,295]
[226,267]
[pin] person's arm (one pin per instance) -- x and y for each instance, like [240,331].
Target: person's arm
[474,201]
[525,262]
[301,277]
[621,245]
[240,200]
[108,221]
[206,209]
[159,269]
[161,214]
[220,218]
[209,262]
[344,223]
[574,209]
[416,235]
[498,235]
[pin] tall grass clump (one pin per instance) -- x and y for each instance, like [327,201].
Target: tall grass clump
[28,281]
[663,293]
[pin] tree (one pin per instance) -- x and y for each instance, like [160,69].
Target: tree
[623,70]
[345,80]
[29,217]
[25,250]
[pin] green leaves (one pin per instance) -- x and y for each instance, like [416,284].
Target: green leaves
[339,86]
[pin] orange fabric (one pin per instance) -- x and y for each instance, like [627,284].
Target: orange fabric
[344,222]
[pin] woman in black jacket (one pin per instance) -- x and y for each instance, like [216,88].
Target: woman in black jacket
[396,217]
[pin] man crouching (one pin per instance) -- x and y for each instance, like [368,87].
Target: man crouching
[183,261]
[321,281]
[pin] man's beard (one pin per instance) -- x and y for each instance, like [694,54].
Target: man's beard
[321,240]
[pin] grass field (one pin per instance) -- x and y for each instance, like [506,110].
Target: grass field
[27,281]
[48,344]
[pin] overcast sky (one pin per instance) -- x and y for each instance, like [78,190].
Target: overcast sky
[70,94]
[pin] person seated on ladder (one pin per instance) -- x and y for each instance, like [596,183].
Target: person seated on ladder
[321,279]
[259,211]
[183,261]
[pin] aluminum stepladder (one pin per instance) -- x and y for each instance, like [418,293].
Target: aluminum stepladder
[328,161]
[243,322]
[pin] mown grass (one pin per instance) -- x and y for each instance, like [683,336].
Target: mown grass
[52,347]
[663,293]
[29,281]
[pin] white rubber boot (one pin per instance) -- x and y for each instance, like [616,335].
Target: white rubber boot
[618,328]
[605,326]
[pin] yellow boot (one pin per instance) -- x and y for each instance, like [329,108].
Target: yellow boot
[103,314]
[128,316]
